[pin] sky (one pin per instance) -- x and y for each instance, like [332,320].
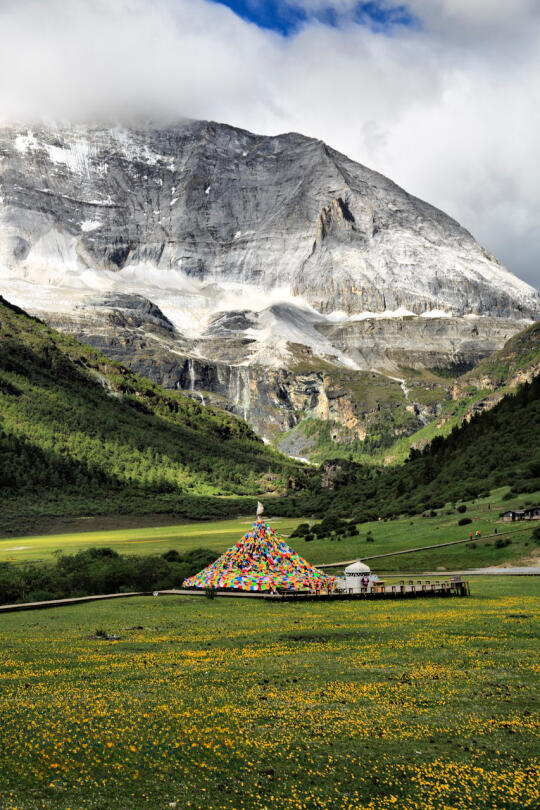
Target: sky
[443,96]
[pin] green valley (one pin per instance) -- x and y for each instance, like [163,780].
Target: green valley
[82,436]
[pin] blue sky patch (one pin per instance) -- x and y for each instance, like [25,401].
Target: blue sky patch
[286,19]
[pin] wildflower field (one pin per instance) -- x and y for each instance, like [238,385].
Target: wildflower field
[224,703]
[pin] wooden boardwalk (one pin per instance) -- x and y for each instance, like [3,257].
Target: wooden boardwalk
[408,589]
[405,590]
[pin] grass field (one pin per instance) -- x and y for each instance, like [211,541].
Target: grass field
[217,536]
[394,535]
[210,704]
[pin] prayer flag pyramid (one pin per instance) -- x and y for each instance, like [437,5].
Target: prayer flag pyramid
[261,561]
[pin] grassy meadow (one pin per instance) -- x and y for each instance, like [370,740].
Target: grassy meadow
[388,535]
[426,704]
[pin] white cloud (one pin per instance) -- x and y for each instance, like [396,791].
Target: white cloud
[450,108]
[486,16]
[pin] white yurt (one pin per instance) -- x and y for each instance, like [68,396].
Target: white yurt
[357,576]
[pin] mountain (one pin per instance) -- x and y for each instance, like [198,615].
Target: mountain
[79,433]
[220,205]
[272,276]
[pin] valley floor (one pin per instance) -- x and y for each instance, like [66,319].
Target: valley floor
[149,535]
[204,704]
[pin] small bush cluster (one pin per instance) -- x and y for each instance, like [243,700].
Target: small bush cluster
[464,521]
[334,528]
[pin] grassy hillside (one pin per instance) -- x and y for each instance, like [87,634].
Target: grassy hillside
[520,354]
[79,433]
[476,391]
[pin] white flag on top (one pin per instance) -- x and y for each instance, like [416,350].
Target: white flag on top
[260,508]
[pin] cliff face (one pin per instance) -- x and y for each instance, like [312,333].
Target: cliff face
[399,374]
[271,275]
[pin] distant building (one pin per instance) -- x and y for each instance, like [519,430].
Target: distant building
[532,513]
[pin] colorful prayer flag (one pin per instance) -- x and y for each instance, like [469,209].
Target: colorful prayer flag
[261,561]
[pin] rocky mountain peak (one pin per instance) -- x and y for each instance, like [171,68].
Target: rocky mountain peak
[212,202]
[273,273]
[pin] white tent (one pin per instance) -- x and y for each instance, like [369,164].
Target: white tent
[357,576]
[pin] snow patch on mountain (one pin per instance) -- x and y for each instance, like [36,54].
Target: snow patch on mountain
[90,225]
[436,313]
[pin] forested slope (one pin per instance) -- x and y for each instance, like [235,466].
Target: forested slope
[75,425]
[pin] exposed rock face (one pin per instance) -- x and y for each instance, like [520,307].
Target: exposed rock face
[244,269]
[271,400]
[223,205]
[419,342]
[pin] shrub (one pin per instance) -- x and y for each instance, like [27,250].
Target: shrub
[365,517]
[172,556]
[536,534]
[464,521]
[471,545]
[462,508]
[329,524]
[502,542]
[301,530]
[526,485]
[309,537]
